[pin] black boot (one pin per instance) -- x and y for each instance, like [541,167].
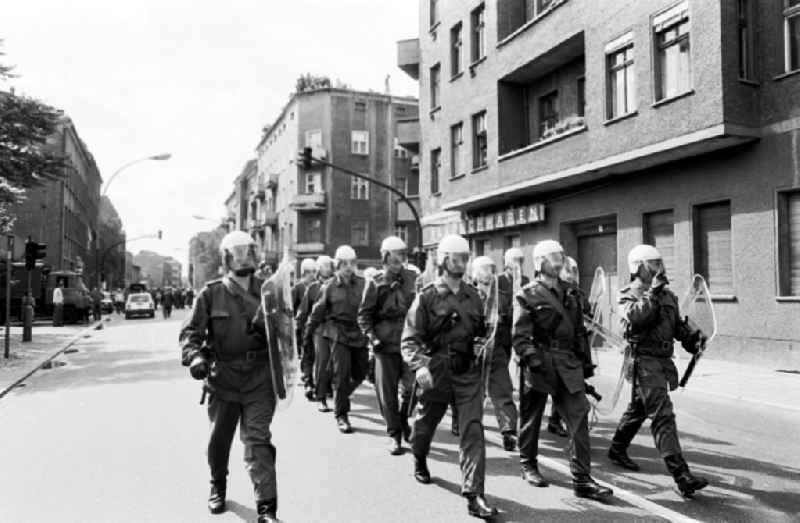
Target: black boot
[479,508]
[421,472]
[586,487]
[509,441]
[404,422]
[309,391]
[557,428]
[344,424]
[620,457]
[323,405]
[531,474]
[687,483]
[267,511]
[216,498]
[395,447]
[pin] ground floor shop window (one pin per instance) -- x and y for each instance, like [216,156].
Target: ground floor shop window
[713,257]
[789,243]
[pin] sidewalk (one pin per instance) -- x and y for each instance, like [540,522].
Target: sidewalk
[26,358]
[778,388]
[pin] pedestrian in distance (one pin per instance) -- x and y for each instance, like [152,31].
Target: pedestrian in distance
[439,345]
[308,273]
[58,305]
[167,302]
[336,312]
[224,343]
[652,322]
[550,339]
[381,317]
[97,301]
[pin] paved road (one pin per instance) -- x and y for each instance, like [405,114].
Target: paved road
[116,435]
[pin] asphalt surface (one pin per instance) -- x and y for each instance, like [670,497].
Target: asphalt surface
[116,434]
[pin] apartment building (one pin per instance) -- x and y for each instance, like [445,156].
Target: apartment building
[607,124]
[312,212]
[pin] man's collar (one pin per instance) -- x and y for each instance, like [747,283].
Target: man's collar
[443,288]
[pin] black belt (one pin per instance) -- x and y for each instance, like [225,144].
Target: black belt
[558,345]
[659,346]
[251,355]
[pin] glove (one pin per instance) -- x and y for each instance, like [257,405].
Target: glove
[198,368]
[533,362]
[374,342]
[659,282]
[424,378]
[588,370]
[696,341]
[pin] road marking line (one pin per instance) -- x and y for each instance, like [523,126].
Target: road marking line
[623,494]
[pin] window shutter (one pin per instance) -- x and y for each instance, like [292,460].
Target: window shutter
[713,246]
[793,201]
[660,232]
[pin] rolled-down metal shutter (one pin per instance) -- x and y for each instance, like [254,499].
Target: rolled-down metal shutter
[793,216]
[713,256]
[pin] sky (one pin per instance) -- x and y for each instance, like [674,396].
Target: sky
[197,79]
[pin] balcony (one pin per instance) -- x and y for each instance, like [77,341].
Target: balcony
[308,202]
[408,134]
[309,248]
[255,225]
[270,218]
[408,57]
[259,192]
[403,213]
[272,181]
[415,162]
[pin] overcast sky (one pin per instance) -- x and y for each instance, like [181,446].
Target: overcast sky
[198,79]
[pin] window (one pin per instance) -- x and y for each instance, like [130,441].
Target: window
[312,229]
[673,63]
[483,247]
[712,246]
[359,189]
[789,243]
[479,140]
[313,183]
[511,241]
[746,39]
[478,29]
[456,142]
[412,184]
[436,164]
[534,8]
[659,231]
[548,112]
[455,50]
[400,183]
[621,80]
[314,138]
[399,150]
[361,106]
[581,88]
[401,231]
[359,233]
[359,142]
[400,109]
[434,12]
[791,30]
[435,79]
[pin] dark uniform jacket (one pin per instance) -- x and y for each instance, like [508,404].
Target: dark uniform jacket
[505,285]
[222,327]
[440,331]
[651,323]
[383,310]
[550,332]
[298,291]
[336,312]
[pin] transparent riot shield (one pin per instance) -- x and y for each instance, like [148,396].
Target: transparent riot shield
[611,353]
[276,302]
[491,311]
[698,311]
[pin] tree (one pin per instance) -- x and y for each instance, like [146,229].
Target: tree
[310,82]
[27,159]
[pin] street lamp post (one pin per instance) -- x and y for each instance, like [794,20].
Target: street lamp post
[156,157]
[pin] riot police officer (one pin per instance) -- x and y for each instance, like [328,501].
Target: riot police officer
[438,344]
[383,310]
[336,311]
[550,339]
[652,322]
[316,356]
[308,272]
[221,345]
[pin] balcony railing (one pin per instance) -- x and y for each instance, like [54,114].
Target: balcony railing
[314,201]
[270,218]
[408,133]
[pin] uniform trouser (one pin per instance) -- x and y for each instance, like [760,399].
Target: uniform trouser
[322,366]
[254,418]
[307,364]
[653,403]
[465,389]
[58,315]
[573,408]
[96,314]
[350,366]
[393,381]
[501,392]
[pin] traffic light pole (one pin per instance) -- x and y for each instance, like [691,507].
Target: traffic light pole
[420,251]
[9,259]
[27,312]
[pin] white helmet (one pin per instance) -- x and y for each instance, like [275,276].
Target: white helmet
[393,243]
[344,252]
[512,255]
[451,244]
[542,250]
[235,239]
[324,260]
[640,254]
[308,265]
[481,266]
[413,268]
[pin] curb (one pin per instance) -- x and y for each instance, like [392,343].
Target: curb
[77,337]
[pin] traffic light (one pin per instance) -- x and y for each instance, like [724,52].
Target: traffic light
[159,234]
[34,251]
[306,157]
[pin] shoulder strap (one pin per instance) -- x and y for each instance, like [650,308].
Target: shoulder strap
[549,298]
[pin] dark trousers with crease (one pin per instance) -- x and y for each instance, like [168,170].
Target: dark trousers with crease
[653,403]
[322,366]
[393,382]
[350,366]
[254,418]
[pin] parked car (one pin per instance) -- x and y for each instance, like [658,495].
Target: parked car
[140,304]
[107,303]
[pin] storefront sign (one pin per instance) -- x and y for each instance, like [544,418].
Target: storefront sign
[511,217]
